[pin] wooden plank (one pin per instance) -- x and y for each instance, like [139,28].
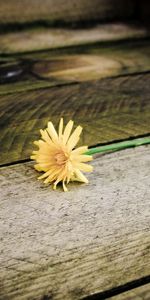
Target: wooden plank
[141,293]
[93,62]
[108,109]
[57,245]
[52,68]
[45,69]
[50,38]
[62,11]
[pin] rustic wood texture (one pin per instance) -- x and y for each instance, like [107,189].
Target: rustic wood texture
[50,38]
[38,70]
[94,62]
[141,293]
[108,109]
[14,11]
[57,245]
[96,237]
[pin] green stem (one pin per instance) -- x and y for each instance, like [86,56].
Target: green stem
[119,146]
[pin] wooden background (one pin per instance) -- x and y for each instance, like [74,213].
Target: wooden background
[64,11]
[89,61]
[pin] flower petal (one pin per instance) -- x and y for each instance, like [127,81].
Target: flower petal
[84,167]
[80,176]
[80,150]
[73,140]
[61,177]
[52,132]
[47,139]
[45,174]
[51,177]
[56,182]
[82,158]
[39,143]
[60,127]
[64,186]
[38,167]
[67,131]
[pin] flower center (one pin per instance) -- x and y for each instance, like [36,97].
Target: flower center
[61,158]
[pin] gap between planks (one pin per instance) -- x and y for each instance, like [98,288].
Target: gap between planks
[135,290]
[140,293]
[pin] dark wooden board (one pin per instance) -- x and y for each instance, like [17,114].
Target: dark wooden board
[108,109]
[75,64]
[143,11]
[64,11]
[31,71]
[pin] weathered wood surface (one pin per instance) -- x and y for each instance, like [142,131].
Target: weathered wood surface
[108,109]
[62,11]
[96,237]
[50,38]
[58,67]
[57,245]
[141,293]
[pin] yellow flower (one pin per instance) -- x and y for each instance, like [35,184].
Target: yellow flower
[57,157]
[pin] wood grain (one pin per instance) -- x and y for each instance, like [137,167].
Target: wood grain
[57,245]
[94,62]
[141,293]
[62,11]
[50,38]
[58,67]
[108,109]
